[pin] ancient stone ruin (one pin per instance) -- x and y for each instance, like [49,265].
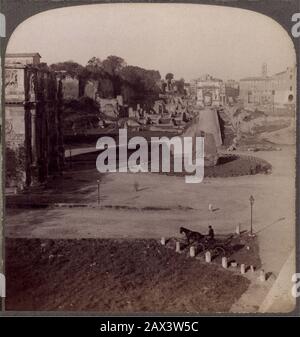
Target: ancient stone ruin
[33,127]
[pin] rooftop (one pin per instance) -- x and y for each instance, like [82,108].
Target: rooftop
[22,55]
[281,73]
[255,78]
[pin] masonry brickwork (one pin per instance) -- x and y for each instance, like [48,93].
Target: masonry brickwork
[33,123]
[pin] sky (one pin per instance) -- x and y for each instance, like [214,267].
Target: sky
[184,39]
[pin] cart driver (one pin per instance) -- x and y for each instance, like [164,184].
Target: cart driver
[211,233]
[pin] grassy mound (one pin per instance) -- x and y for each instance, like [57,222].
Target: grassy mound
[231,165]
[114,276]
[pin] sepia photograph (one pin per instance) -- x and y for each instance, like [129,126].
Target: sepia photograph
[150,161]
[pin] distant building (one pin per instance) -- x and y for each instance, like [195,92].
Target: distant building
[264,70]
[283,86]
[255,90]
[23,58]
[232,84]
[279,89]
[209,89]
[193,88]
[232,90]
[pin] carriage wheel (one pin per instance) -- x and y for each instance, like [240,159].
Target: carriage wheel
[219,251]
[200,248]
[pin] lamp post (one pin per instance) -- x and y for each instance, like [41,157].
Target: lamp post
[251,199]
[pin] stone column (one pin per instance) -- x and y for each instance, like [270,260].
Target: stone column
[33,137]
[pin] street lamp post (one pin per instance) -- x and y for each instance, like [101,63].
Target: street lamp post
[251,199]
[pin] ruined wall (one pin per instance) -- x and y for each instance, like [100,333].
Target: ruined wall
[91,88]
[70,87]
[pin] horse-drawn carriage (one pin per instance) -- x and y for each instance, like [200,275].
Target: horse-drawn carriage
[220,245]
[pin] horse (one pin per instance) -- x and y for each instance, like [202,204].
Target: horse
[191,236]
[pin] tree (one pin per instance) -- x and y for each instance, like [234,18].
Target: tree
[140,84]
[93,69]
[180,86]
[106,88]
[94,62]
[112,67]
[114,77]
[169,77]
[71,68]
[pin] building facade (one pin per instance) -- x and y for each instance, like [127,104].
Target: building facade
[23,58]
[232,90]
[255,90]
[278,90]
[283,86]
[209,90]
[33,125]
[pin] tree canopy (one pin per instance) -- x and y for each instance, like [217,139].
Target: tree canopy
[180,86]
[169,77]
[70,67]
[114,77]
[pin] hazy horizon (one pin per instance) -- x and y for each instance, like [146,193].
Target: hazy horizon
[186,40]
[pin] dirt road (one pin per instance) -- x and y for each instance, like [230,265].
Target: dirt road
[163,203]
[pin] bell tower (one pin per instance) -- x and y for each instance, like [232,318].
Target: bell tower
[264,70]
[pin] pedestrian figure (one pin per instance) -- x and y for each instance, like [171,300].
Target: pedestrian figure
[210,207]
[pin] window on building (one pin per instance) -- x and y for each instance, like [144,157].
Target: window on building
[291,88]
[290,98]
